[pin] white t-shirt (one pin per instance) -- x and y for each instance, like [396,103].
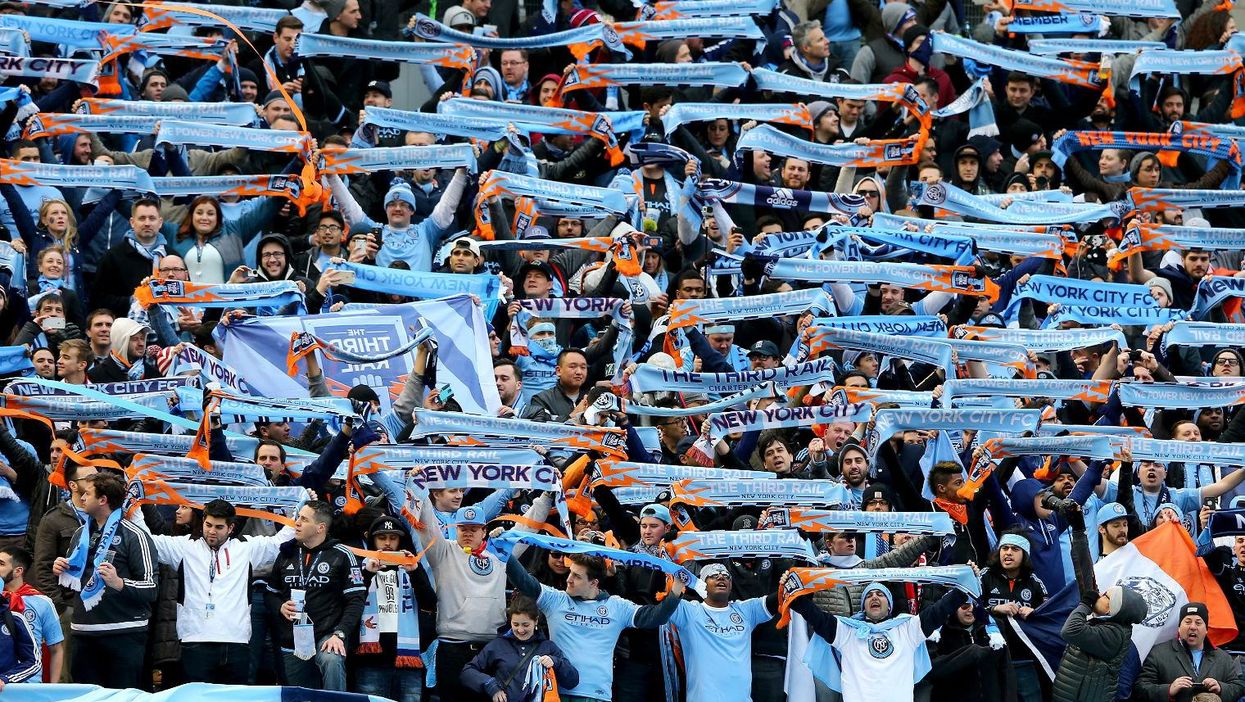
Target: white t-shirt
[879,666]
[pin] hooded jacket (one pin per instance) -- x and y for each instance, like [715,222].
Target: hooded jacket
[495,664]
[1051,553]
[314,299]
[1089,671]
[111,370]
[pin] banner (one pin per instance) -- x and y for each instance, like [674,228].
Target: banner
[76,70]
[565,436]
[1092,391]
[188,470]
[685,112]
[889,422]
[649,378]
[723,423]
[760,491]
[880,152]
[338,161]
[717,545]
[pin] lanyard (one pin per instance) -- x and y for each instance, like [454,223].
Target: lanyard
[214,568]
[303,569]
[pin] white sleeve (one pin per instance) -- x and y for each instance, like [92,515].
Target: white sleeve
[264,552]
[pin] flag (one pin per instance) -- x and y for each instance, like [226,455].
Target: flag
[257,348]
[1161,566]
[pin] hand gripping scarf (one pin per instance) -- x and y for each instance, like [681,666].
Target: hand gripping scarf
[685,112]
[1212,291]
[883,152]
[724,423]
[1195,334]
[561,436]
[1182,395]
[1096,447]
[1079,73]
[1045,241]
[1205,62]
[441,55]
[822,521]
[649,378]
[58,176]
[93,591]
[338,161]
[1210,147]
[1042,339]
[1139,237]
[714,545]
[976,102]
[303,344]
[503,545]
[951,198]
[603,126]
[924,350]
[889,422]
[1094,391]
[188,470]
[267,295]
[799,582]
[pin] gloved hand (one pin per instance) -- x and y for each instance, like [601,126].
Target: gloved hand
[1089,599]
[997,642]
[935,637]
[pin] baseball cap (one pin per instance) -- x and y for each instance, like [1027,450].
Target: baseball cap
[536,231]
[470,515]
[470,244]
[540,266]
[458,16]
[385,524]
[1109,513]
[381,87]
[656,511]
[764,348]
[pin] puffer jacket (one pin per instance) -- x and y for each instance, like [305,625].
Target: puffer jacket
[1089,671]
[845,601]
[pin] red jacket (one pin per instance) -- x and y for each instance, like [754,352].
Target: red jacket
[905,74]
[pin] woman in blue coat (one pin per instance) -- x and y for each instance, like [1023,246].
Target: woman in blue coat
[500,670]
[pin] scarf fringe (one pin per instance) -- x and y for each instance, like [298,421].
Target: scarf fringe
[407,661]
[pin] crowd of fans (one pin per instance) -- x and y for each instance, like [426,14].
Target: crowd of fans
[791,262]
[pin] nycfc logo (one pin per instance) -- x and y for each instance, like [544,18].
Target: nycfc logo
[602,611]
[166,288]
[935,194]
[116,540]
[893,152]
[469,514]
[737,618]
[766,564]
[427,29]
[960,279]
[480,565]
[880,646]
[1159,600]
[323,567]
[610,35]
[1026,594]
[30,615]
[1089,20]
[339,501]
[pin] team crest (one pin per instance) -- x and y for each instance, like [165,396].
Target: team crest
[880,646]
[1159,600]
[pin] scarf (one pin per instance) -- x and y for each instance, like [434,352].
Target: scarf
[681,9]
[376,457]
[93,591]
[1226,523]
[274,294]
[901,93]
[408,622]
[17,598]
[821,521]
[61,177]
[875,153]
[190,358]
[1097,315]
[75,70]
[548,197]
[1050,47]
[637,34]
[997,356]
[102,398]
[625,474]
[1093,391]
[903,242]
[49,124]
[69,409]
[235,408]
[915,325]
[303,344]
[441,55]
[590,76]
[1096,447]
[483,129]
[685,112]
[424,286]
[1182,395]
[15,360]
[1200,334]
[888,422]
[1033,240]
[339,161]
[152,252]
[574,308]
[799,582]
[1167,61]
[187,470]
[540,684]
[1186,451]
[1139,237]
[1212,291]
[649,378]
[567,436]
[224,186]
[976,103]
[489,476]
[201,134]
[715,545]
[1156,199]
[723,423]
[580,41]
[603,126]
[934,278]
[503,545]
[277,504]
[946,196]
[1079,73]
[689,313]
[748,194]
[1068,291]
[1059,23]
[905,398]
[1041,340]
[238,114]
[764,391]
[932,351]
[1119,8]
[758,491]
[74,34]
[1212,148]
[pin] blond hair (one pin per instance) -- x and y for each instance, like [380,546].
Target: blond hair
[71,231]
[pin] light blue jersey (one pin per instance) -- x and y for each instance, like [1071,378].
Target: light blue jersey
[717,647]
[587,631]
[44,623]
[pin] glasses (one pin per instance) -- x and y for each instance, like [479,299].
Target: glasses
[174,270]
[867,193]
[513,63]
[1227,362]
[272,254]
[878,501]
[328,228]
